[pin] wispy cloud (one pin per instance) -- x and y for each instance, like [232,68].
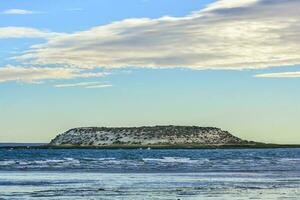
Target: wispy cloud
[36,74]
[24,32]
[226,4]
[17,12]
[94,84]
[228,34]
[280,75]
[98,86]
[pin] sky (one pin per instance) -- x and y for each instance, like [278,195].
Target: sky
[230,64]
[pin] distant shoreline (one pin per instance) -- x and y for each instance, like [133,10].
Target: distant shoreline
[177,146]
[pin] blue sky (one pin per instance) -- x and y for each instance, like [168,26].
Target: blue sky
[222,63]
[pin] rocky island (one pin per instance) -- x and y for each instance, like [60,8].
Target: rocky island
[151,136]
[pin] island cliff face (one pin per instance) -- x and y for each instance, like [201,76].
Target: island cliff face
[147,135]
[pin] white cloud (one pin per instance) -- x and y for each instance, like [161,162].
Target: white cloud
[229,34]
[17,12]
[98,86]
[36,74]
[23,32]
[87,85]
[224,4]
[82,84]
[280,75]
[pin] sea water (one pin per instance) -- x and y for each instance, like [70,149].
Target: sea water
[149,174]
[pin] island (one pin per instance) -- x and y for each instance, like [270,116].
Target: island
[148,137]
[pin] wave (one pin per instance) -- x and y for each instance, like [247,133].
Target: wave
[173,160]
[151,160]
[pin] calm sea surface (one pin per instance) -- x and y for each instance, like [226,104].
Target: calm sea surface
[149,174]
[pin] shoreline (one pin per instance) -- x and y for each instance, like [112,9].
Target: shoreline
[176,146]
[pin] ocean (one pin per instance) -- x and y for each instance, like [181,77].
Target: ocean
[149,174]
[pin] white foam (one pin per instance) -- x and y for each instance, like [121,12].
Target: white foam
[171,160]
